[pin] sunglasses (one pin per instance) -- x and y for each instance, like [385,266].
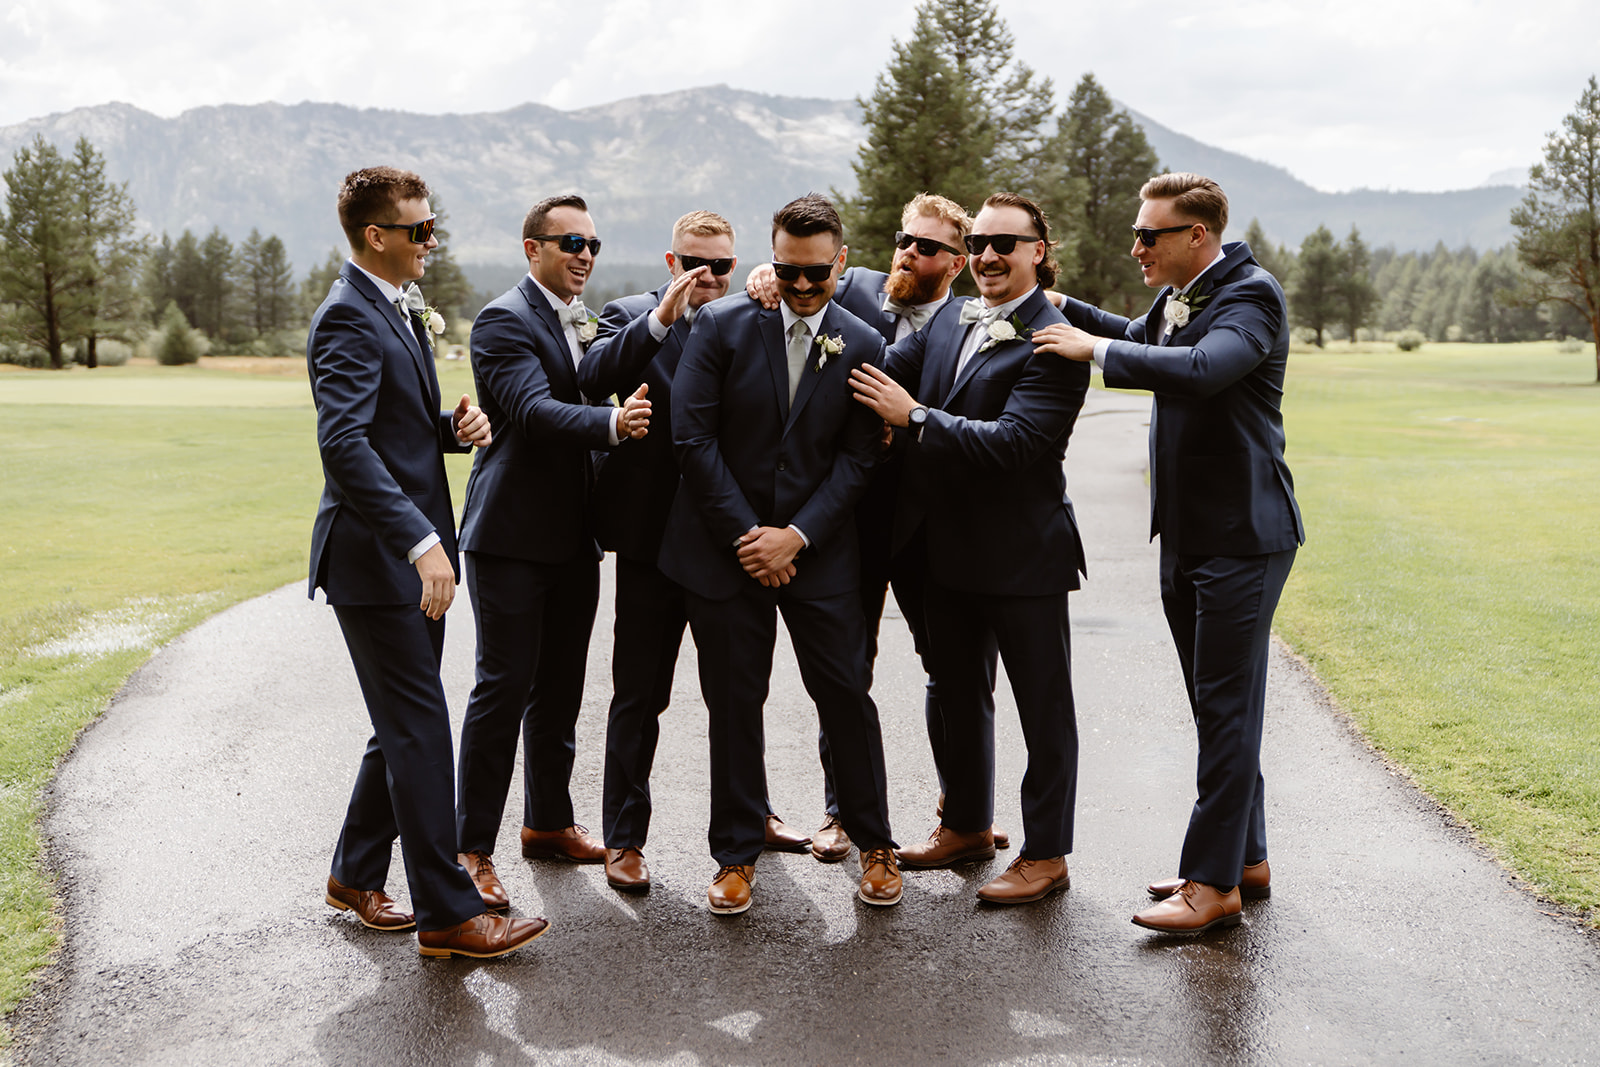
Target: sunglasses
[571,243]
[719,267]
[926,246]
[816,273]
[1004,243]
[418,233]
[1147,236]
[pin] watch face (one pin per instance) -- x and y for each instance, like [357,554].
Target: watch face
[918,416]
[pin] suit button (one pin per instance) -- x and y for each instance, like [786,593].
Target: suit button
[782,465]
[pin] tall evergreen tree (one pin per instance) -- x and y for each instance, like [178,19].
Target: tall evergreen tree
[41,254]
[444,284]
[318,281]
[104,218]
[1276,260]
[1558,222]
[213,303]
[1355,291]
[1098,160]
[1314,300]
[187,277]
[268,296]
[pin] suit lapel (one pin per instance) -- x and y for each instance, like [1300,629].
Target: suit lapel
[809,371]
[545,315]
[943,353]
[769,324]
[388,313]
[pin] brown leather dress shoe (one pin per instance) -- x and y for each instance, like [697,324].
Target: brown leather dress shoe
[372,906]
[626,870]
[830,844]
[782,839]
[1001,838]
[946,848]
[575,843]
[880,878]
[1193,908]
[729,893]
[480,867]
[481,936]
[1254,884]
[1027,880]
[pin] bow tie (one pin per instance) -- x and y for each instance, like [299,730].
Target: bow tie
[574,313]
[917,316]
[974,311]
[411,300]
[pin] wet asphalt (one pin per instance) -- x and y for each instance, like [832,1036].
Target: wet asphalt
[192,827]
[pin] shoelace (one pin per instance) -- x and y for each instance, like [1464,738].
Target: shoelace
[729,868]
[877,856]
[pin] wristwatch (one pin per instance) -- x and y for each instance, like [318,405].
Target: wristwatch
[917,418]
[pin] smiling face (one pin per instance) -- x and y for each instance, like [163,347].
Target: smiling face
[563,273]
[1175,258]
[703,246]
[918,279]
[805,298]
[390,254]
[1002,279]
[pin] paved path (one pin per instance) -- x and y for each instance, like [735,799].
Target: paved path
[194,822]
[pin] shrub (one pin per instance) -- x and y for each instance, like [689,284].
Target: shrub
[1409,340]
[1569,344]
[110,353]
[176,342]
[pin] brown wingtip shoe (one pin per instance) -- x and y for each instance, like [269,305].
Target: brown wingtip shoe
[729,893]
[482,937]
[946,848]
[575,843]
[880,878]
[372,906]
[830,844]
[780,838]
[626,870]
[1255,883]
[1027,880]
[480,867]
[1193,909]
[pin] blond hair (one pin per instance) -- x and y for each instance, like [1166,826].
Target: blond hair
[1193,196]
[702,224]
[934,206]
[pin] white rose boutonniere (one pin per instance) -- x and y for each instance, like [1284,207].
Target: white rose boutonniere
[830,346]
[1003,330]
[433,321]
[1182,306]
[1177,313]
[587,331]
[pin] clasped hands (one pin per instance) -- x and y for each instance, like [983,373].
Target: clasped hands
[767,553]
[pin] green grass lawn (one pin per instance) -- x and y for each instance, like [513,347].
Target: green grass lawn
[134,502]
[1449,590]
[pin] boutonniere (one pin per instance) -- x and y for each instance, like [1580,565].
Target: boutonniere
[831,346]
[432,321]
[1003,330]
[587,331]
[1180,306]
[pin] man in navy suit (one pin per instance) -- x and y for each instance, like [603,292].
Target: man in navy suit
[983,503]
[383,548]
[928,257]
[639,343]
[532,564]
[774,455]
[1213,349]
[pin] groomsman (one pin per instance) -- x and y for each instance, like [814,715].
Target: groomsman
[384,550]
[983,502]
[928,257]
[775,455]
[639,344]
[532,563]
[1213,349]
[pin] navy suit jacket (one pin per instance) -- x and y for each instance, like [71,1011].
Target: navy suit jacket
[986,479]
[860,292]
[382,435]
[635,485]
[528,496]
[750,458]
[1219,484]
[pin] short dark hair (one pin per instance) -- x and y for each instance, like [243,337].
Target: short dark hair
[1194,196]
[373,194]
[533,221]
[1048,268]
[806,217]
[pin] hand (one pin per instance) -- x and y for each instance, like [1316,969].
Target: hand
[633,417]
[762,285]
[470,424]
[438,582]
[1064,339]
[886,439]
[1059,300]
[767,554]
[882,394]
[676,299]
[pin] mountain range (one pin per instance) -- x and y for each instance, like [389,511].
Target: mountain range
[641,162]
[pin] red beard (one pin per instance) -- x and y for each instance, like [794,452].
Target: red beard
[910,289]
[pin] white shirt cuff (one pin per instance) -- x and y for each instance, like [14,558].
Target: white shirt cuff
[802,534]
[611,430]
[422,546]
[1100,348]
[657,331]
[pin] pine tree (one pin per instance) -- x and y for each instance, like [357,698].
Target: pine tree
[41,253]
[213,302]
[266,282]
[1098,161]
[320,279]
[444,285]
[109,254]
[1319,271]
[187,277]
[1276,260]
[1355,291]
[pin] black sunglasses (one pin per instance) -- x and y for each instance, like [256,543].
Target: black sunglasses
[417,232]
[1004,243]
[1147,236]
[816,273]
[719,267]
[926,246]
[571,243]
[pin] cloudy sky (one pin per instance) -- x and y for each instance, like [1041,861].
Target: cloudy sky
[1399,94]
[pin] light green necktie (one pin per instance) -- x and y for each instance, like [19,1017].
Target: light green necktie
[799,348]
